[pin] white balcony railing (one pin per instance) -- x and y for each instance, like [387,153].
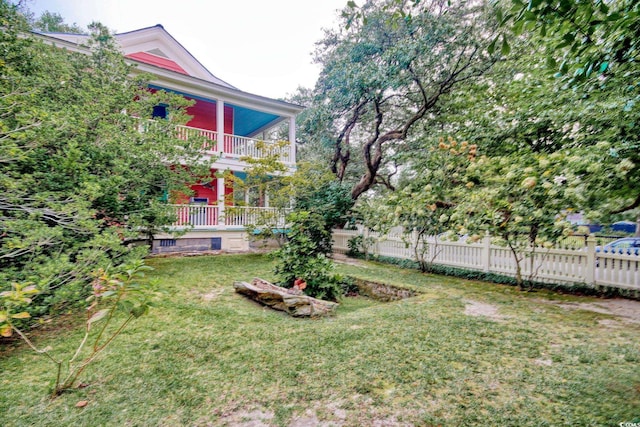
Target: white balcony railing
[211,136]
[208,216]
[196,216]
[242,216]
[235,146]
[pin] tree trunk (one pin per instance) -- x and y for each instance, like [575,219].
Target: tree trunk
[287,300]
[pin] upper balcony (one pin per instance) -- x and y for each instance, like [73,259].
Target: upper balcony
[234,147]
[243,119]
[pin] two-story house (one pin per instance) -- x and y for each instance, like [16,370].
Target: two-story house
[235,121]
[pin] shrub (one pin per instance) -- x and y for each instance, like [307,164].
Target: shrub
[331,201]
[304,256]
[114,291]
[359,246]
[355,246]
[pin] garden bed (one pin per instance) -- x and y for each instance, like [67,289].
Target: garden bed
[382,291]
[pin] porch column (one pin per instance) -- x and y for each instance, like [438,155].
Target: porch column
[220,124]
[220,192]
[292,138]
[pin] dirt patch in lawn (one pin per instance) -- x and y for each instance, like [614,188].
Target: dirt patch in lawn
[477,308]
[319,414]
[255,418]
[627,311]
[213,294]
[343,259]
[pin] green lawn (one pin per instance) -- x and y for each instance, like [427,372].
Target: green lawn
[207,356]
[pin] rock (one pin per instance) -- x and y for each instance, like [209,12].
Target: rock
[287,300]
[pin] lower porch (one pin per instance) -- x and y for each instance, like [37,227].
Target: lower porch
[220,217]
[203,228]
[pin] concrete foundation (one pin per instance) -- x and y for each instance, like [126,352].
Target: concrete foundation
[201,241]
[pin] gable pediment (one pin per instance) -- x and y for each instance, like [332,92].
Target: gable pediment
[155,46]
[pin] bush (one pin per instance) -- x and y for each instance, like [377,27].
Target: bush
[331,201]
[304,256]
[359,246]
[112,291]
[355,246]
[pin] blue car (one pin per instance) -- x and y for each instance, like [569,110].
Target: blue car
[627,246]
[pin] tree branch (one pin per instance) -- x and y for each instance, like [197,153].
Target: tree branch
[633,205]
[341,155]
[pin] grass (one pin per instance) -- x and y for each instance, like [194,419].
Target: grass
[207,356]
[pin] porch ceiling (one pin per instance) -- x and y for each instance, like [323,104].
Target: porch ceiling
[246,121]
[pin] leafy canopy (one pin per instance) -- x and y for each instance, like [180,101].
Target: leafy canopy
[383,72]
[82,169]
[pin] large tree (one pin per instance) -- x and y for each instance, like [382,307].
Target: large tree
[82,169]
[384,71]
[52,22]
[593,49]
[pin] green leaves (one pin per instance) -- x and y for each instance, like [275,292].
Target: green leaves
[585,32]
[492,46]
[304,256]
[506,49]
[520,200]
[139,310]
[79,179]
[383,78]
[19,295]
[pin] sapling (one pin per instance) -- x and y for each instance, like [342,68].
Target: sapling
[112,291]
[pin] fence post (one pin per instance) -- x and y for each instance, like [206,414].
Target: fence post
[486,253]
[365,241]
[376,247]
[590,267]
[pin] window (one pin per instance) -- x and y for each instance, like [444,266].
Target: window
[216,243]
[159,111]
[199,200]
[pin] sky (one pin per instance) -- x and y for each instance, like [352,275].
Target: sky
[262,47]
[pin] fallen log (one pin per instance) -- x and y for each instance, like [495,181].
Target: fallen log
[290,301]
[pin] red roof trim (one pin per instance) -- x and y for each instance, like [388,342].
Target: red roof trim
[158,61]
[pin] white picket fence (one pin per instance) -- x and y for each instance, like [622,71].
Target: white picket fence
[556,265]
